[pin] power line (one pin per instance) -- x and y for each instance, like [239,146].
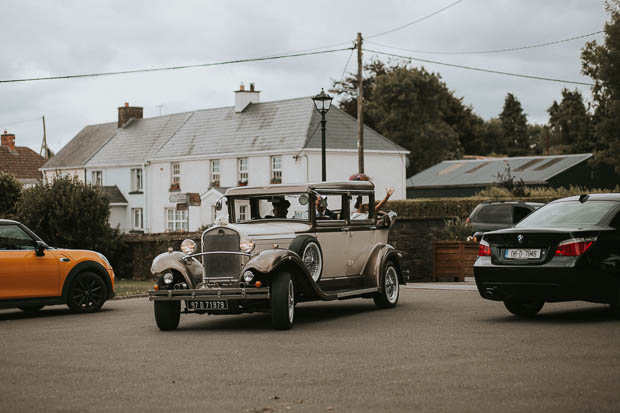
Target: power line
[346,66]
[160,69]
[415,21]
[481,70]
[511,49]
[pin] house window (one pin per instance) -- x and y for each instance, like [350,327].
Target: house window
[176,220]
[138,221]
[243,210]
[215,172]
[136,180]
[96,178]
[175,169]
[243,171]
[276,169]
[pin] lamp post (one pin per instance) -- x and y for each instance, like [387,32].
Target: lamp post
[322,102]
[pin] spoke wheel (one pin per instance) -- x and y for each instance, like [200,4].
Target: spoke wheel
[282,301]
[524,308]
[309,250]
[390,290]
[87,293]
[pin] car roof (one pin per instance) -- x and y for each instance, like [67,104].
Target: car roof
[303,187]
[611,196]
[510,201]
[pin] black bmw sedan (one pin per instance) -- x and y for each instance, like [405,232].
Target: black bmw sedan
[566,250]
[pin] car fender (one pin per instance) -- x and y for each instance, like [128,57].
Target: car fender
[373,268]
[91,266]
[268,261]
[191,269]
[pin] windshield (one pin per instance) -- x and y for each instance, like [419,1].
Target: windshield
[568,214]
[285,206]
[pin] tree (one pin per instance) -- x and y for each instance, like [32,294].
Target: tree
[70,214]
[570,123]
[10,191]
[413,108]
[602,64]
[514,126]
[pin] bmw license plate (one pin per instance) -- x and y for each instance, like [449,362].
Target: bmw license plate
[208,305]
[522,253]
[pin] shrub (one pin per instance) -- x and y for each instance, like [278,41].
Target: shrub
[10,191]
[67,213]
[456,229]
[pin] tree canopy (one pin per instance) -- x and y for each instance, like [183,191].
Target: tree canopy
[10,191]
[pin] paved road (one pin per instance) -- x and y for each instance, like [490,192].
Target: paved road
[439,350]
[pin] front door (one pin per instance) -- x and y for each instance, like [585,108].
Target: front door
[22,273]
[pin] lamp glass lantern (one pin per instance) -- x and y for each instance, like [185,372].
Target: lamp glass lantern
[322,102]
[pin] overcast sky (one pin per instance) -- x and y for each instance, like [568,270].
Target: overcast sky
[51,38]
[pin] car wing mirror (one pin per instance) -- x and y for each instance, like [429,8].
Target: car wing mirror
[218,204]
[40,247]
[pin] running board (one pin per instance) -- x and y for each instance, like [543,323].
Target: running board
[345,294]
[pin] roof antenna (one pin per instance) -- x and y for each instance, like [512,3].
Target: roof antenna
[583,198]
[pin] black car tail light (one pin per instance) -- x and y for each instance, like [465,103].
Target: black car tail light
[574,247]
[484,250]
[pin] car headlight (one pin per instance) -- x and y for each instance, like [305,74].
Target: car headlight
[168,278]
[247,245]
[188,247]
[104,259]
[248,276]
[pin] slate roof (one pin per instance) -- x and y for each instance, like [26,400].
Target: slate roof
[115,194]
[86,143]
[284,125]
[482,172]
[23,163]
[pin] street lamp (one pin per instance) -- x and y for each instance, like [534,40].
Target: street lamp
[322,102]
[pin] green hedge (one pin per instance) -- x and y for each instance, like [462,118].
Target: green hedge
[445,207]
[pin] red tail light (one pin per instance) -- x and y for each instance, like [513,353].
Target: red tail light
[484,250]
[574,247]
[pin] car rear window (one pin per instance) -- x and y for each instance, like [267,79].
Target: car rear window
[495,214]
[568,214]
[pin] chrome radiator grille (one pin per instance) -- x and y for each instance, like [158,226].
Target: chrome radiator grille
[221,265]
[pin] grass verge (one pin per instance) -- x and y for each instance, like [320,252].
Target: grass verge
[131,288]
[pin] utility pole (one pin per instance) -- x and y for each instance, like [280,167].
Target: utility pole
[44,151]
[360,111]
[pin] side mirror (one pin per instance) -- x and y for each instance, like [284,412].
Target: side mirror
[40,248]
[218,204]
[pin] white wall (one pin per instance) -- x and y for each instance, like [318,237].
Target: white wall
[49,175]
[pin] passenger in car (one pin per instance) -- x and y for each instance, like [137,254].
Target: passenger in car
[321,209]
[280,208]
[362,208]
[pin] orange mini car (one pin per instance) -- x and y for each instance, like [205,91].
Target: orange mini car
[33,274]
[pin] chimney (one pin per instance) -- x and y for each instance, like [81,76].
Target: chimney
[8,140]
[125,113]
[244,97]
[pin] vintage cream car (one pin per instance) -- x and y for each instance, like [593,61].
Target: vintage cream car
[278,246]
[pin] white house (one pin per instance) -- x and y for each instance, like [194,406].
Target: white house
[172,169]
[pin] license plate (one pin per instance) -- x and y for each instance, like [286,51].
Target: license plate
[522,254]
[208,305]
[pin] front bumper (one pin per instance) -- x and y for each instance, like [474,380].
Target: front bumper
[557,280]
[262,293]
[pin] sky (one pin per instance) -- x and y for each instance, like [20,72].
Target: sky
[67,37]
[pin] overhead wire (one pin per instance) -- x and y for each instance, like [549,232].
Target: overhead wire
[414,22]
[160,69]
[510,49]
[480,69]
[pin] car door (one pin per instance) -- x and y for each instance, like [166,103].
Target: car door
[333,239]
[361,233]
[23,274]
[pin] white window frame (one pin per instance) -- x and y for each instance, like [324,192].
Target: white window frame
[96,177]
[276,169]
[137,181]
[176,220]
[175,173]
[215,173]
[242,167]
[243,213]
[137,215]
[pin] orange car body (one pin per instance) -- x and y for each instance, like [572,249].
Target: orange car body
[33,274]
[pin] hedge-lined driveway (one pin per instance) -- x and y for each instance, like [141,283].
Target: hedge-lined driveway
[438,350]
